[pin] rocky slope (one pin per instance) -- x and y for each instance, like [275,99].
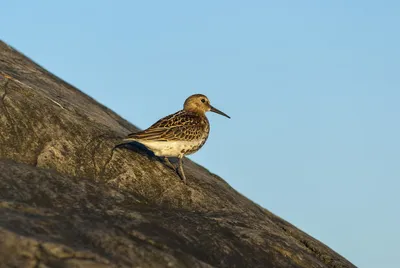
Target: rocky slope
[68,200]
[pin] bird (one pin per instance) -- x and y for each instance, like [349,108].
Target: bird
[179,134]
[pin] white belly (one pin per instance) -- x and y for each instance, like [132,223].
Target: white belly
[170,148]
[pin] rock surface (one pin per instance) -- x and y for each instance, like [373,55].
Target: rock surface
[68,200]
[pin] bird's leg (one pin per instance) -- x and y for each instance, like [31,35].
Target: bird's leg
[181,170]
[168,163]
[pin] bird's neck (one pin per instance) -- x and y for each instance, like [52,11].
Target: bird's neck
[196,110]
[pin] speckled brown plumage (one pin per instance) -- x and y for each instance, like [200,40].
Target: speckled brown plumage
[180,126]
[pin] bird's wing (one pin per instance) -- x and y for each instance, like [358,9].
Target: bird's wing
[176,127]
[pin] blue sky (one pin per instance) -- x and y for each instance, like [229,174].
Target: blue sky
[312,88]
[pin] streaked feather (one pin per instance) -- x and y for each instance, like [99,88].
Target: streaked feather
[180,126]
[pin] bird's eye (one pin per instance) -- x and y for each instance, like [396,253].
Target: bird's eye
[203,100]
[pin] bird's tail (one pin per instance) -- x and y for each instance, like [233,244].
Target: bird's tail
[125,141]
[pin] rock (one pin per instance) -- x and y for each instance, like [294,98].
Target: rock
[67,199]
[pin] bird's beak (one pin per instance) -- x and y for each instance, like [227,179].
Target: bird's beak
[215,110]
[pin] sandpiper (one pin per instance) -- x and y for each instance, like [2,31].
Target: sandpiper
[178,134]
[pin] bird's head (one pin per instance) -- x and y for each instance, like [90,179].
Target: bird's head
[201,104]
